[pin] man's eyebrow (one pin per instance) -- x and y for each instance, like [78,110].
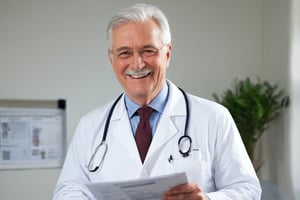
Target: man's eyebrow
[129,48]
[123,48]
[148,46]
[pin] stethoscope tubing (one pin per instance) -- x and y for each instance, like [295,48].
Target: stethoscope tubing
[109,117]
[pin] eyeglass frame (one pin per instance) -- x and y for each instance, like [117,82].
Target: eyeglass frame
[144,52]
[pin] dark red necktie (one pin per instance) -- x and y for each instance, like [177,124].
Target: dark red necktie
[143,134]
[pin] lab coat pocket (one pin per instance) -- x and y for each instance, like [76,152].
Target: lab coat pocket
[197,171]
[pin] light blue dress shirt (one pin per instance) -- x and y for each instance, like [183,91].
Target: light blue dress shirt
[158,104]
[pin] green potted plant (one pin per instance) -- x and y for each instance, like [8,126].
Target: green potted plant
[253,105]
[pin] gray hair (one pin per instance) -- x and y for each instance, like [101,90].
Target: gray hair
[139,13]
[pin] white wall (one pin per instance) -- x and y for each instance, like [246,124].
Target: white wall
[295,97]
[275,145]
[56,49]
[281,49]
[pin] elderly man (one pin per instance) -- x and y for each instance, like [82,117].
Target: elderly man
[144,125]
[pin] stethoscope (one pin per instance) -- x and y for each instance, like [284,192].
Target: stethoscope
[184,142]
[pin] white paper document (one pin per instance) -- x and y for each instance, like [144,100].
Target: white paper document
[31,137]
[151,188]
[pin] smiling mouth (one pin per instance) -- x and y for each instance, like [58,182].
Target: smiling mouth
[139,74]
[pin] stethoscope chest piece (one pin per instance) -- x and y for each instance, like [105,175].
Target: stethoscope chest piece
[185,145]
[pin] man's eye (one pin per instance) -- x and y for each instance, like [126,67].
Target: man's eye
[124,54]
[149,52]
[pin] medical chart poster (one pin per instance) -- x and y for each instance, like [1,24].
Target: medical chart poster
[31,137]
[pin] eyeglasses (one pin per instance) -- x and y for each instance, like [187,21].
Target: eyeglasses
[145,52]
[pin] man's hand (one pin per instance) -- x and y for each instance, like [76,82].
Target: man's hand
[185,192]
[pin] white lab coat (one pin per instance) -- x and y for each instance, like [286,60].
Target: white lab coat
[218,162]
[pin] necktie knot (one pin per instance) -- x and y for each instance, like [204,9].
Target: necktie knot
[144,112]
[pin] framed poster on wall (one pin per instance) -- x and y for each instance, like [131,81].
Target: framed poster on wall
[32,134]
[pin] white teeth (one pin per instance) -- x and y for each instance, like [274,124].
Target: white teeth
[138,74]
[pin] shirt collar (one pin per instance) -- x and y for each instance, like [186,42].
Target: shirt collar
[158,103]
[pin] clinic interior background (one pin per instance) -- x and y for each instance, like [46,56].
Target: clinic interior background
[57,49]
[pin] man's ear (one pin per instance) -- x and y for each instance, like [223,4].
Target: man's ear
[169,53]
[110,56]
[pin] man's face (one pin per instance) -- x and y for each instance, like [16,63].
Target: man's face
[140,59]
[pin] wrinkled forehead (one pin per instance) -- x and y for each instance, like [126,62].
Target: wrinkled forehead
[136,34]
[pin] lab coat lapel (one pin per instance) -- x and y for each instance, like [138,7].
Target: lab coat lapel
[121,131]
[172,120]
[165,131]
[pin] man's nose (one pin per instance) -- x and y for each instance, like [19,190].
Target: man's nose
[137,61]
